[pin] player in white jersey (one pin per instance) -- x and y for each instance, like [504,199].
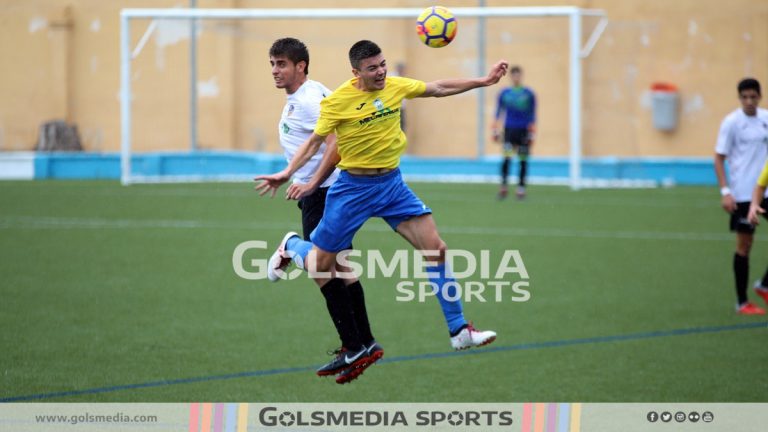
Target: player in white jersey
[289,58]
[743,144]
[297,122]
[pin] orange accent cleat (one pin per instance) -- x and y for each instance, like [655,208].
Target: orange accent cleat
[503,191]
[749,309]
[762,292]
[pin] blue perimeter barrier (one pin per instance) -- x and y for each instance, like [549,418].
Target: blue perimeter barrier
[665,171]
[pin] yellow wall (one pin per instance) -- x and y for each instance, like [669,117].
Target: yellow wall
[61,60]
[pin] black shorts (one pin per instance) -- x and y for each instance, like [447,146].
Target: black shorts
[516,140]
[312,208]
[739,221]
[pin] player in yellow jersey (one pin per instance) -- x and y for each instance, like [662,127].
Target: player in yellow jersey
[364,112]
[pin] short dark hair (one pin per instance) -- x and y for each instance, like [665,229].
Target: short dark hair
[362,50]
[516,69]
[749,84]
[292,48]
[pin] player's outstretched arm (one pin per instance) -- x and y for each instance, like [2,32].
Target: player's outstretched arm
[324,170]
[450,87]
[755,210]
[270,183]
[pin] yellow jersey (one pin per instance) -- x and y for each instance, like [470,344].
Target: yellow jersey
[367,124]
[763,179]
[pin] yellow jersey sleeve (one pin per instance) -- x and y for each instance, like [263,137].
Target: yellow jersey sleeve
[367,124]
[412,88]
[763,179]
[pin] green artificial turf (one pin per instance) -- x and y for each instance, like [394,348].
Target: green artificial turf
[112,293]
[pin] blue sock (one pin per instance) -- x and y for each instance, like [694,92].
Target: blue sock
[452,309]
[298,249]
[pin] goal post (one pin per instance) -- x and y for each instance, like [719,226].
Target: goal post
[577,51]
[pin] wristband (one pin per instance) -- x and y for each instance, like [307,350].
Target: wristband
[725,190]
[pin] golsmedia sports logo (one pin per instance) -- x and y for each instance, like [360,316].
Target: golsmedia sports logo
[272,416]
[477,276]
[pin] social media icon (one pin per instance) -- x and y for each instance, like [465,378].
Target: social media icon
[693,416]
[680,416]
[708,417]
[666,416]
[652,417]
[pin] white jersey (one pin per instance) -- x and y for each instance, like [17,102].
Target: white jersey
[743,140]
[300,114]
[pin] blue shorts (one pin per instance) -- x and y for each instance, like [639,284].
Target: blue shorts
[352,200]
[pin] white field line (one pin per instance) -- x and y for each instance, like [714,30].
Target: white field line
[489,198]
[702,201]
[61,223]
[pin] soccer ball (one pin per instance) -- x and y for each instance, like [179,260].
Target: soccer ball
[436,26]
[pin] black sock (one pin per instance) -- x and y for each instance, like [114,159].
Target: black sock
[337,300]
[357,300]
[741,273]
[504,171]
[523,172]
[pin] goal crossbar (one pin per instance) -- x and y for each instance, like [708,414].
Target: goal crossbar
[344,13]
[576,53]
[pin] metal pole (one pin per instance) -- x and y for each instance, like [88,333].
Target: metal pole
[125,100]
[481,30]
[574,99]
[193,79]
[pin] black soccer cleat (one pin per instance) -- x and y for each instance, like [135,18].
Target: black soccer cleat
[375,350]
[344,359]
[374,353]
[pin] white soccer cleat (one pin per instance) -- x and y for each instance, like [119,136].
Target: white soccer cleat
[470,337]
[520,192]
[279,260]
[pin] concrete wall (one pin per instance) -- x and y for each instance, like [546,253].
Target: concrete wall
[61,60]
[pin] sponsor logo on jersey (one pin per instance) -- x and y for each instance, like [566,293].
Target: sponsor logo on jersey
[379,115]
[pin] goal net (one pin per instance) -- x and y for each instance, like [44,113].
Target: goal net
[198,102]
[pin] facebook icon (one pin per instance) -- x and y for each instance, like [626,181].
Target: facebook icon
[653,416]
